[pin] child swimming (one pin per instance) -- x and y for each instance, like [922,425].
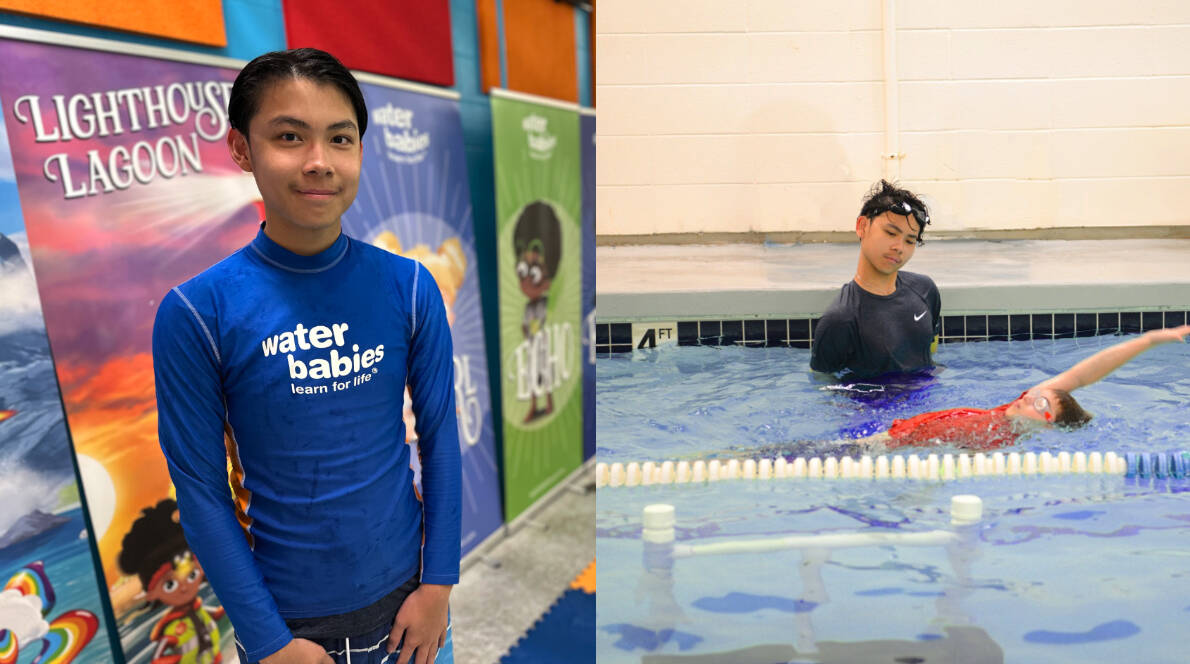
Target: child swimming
[1047,404]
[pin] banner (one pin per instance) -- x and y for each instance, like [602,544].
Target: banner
[47,564]
[127,190]
[414,201]
[539,245]
[587,140]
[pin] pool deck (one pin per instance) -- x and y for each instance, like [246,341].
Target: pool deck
[691,282]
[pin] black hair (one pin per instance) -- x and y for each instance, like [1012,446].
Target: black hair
[1070,414]
[539,222]
[885,196]
[155,538]
[311,63]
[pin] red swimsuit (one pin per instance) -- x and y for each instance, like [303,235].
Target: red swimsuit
[974,428]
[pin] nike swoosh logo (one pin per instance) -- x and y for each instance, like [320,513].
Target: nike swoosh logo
[918,316]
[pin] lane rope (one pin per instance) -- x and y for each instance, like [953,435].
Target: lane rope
[933,467]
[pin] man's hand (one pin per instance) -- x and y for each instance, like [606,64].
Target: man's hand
[299,651]
[422,623]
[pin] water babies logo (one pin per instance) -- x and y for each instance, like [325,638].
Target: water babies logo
[355,369]
[406,145]
[541,142]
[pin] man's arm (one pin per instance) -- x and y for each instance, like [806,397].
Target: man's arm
[422,619]
[1108,360]
[834,344]
[190,425]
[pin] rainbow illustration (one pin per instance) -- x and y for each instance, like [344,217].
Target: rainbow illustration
[31,580]
[69,634]
[8,647]
[5,414]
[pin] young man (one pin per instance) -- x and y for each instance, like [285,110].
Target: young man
[884,320]
[1048,403]
[291,358]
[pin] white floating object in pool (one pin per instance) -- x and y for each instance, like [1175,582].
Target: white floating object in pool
[882,467]
[765,469]
[865,467]
[700,471]
[1095,462]
[1014,463]
[667,473]
[932,467]
[600,475]
[649,473]
[633,474]
[781,468]
[1030,463]
[948,471]
[1109,462]
[1080,462]
[799,468]
[979,464]
[914,467]
[1064,464]
[1121,465]
[964,465]
[965,509]
[749,469]
[658,516]
[615,475]
[814,468]
[733,470]
[714,469]
[1046,463]
[847,468]
[999,464]
[898,466]
[830,468]
[683,475]
[658,523]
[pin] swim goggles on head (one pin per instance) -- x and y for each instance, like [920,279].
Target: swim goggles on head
[903,208]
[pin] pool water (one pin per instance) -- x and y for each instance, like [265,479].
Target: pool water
[681,402]
[1060,569]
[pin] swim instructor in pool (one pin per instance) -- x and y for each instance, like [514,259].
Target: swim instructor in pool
[1047,404]
[884,320]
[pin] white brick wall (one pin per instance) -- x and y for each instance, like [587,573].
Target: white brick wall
[768,115]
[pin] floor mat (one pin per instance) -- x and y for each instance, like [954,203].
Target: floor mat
[565,633]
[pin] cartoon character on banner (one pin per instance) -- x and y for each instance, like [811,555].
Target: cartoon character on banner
[537,243]
[155,550]
[448,265]
[27,599]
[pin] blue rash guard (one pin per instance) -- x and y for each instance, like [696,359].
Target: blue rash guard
[302,362]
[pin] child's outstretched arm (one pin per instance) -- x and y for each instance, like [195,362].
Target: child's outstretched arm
[1109,359]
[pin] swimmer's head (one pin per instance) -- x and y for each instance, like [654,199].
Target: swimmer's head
[885,197]
[1050,406]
